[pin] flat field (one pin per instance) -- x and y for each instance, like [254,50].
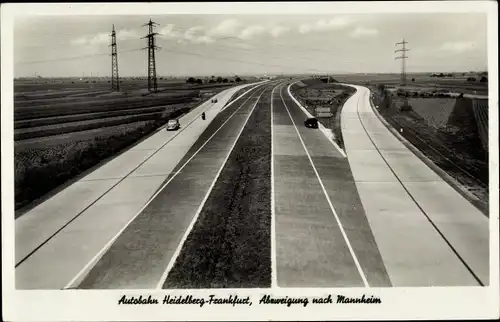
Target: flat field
[458,83]
[64,127]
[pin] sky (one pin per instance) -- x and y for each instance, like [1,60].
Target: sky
[198,45]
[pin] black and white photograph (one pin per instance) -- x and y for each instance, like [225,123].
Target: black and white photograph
[280,160]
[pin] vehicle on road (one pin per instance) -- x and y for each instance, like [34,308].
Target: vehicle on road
[173,125]
[311,123]
[214,100]
[203,116]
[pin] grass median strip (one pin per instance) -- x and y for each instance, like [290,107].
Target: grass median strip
[229,246]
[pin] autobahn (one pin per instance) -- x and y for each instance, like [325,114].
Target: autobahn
[256,200]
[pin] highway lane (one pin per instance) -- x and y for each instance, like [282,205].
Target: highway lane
[139,257]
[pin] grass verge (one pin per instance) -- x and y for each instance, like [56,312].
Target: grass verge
[324,99]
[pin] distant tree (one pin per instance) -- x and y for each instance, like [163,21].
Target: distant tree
[191,80]
[484,79]
[471,79]
[441,75]
[381,88]
[219,79]
[225,80]
[413,79]
[211,81]
[237,79]
[199,81]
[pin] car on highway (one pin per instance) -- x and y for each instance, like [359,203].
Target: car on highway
[311,123]
[214,100]
[173,125]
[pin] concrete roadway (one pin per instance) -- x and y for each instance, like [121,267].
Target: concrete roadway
[57,241]
[427,233]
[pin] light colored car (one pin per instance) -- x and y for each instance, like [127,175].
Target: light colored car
[173,125]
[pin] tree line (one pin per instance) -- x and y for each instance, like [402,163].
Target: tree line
[213,80]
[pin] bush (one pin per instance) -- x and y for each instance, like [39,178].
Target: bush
[484,79]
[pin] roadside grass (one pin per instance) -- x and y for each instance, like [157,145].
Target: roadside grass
[325,99]
[24,113]
[68,127]
[30,123]
[40,168]
[229,245]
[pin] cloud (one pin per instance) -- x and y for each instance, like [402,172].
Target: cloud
[169,32]
[105,38]
[191,35]
[324,25]
[125,34]
[251,31]
[226,28]
[364,32]
[79,41]
[459,46]
[278,31]
[100,38]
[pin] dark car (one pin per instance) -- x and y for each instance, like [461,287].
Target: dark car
[173,125]
[311,123]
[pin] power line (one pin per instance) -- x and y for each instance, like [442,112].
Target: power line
[237,61]
[152,85]
[403,58]
[115,80]
[182,32]
[152,47]
[73,58]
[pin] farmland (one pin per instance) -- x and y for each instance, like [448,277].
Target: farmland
[329,97]
[421,82]
[451,130]
[64,127]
